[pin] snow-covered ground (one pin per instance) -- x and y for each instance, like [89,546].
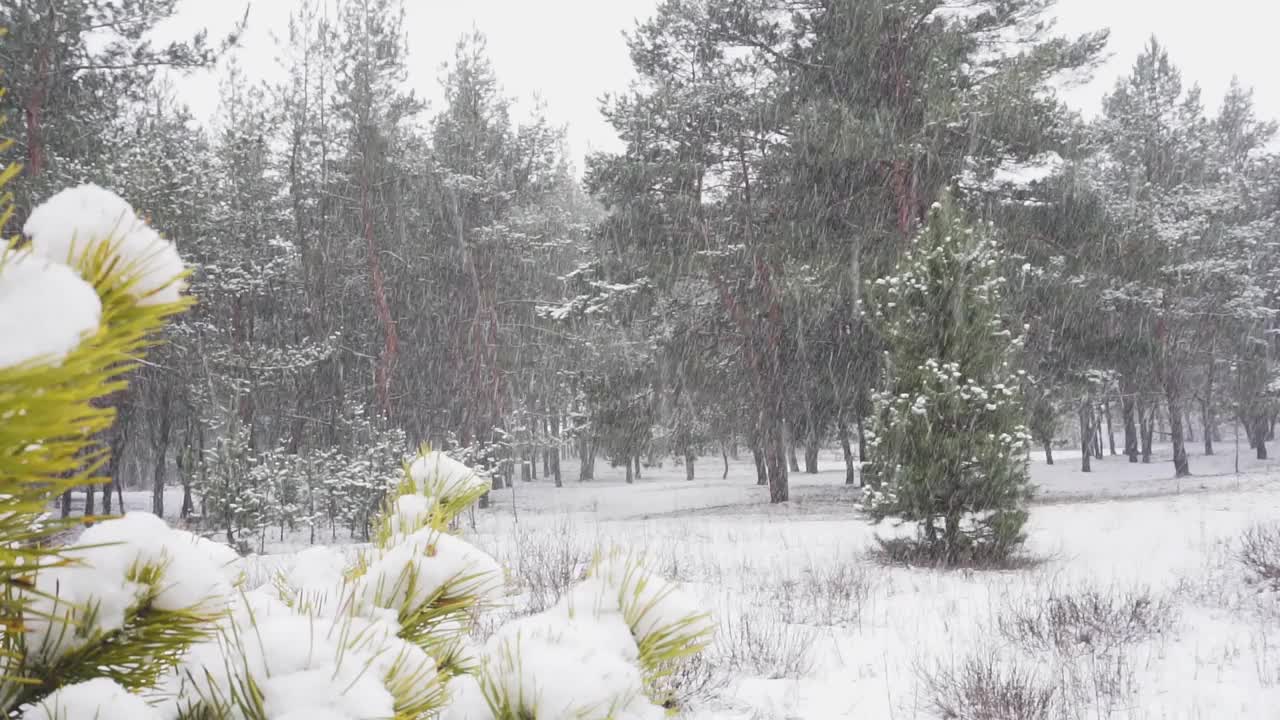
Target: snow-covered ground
[812,627]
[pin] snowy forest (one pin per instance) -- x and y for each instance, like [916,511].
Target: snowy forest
[853,259]
[372,274]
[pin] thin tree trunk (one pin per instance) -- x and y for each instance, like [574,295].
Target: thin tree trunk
[1111,434]
[160,449]
[724,453]
[1260,436]
[586,460]
[689,459]
[89,492]
[637,463]
[1181,467]
[793,462]
[775,459]
[382,308]
[1188,430]
[862,440]
[1086,435]
[811,449]
[1127,404]
[66,504]
[1146,420]
[553,453]
[1206,411]
[850,467]
[762,471]
[1097,433]
[1048,452]
[630,470]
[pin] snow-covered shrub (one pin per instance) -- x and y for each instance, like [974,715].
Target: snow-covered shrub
[144,622]
[946,442]
[1260,554]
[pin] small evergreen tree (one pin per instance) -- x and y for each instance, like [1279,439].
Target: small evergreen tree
[948,445]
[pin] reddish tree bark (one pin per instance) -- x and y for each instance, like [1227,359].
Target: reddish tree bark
[391,339]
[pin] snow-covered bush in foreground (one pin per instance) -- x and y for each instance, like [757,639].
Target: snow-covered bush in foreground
[144,622]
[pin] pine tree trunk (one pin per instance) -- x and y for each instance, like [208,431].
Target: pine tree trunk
[630,471]
[161,450]
[952,537]
[1146,420]
[1048,452]
[552,455]
[637,463]
[66,505]
[776,461]
[1111,434]
[1188,430]
[1127,412]
[89,492]
[812,442]
[1173,397]
[793,462]
[850,467]
[762,471]
[1206,412]
[1086,436]
[1097,434]
[1260,436]
[724,453]
[528,460]
[382,307]
[689,459]
[586,460]
[862,440]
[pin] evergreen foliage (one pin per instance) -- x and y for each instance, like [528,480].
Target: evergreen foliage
[947,445]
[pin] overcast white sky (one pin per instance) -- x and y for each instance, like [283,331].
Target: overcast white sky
[572,51]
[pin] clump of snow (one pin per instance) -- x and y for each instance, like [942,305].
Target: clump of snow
[97,699]
[429,566]
[466,700]
[582,657]
[316,578]
[78,220]
[409,514]
[304,666]
[444,479]
[46,310]
[547,666]
[120,566]
[655,608]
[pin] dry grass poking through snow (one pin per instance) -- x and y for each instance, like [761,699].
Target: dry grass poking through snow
[829,594]
[757,645]
[987,687]
[1086,620]
[1069,655]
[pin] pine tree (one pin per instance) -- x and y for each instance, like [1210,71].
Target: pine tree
[947,442]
